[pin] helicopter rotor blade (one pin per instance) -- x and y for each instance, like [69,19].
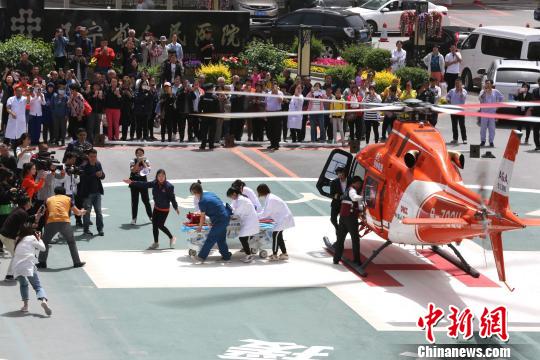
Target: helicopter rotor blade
[455,111]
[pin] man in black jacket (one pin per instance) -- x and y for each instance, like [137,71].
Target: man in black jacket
[171,68]
[184,107]
[91,190]
[337,188]
[209,104]
[535,111]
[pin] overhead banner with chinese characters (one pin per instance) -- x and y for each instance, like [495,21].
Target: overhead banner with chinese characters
[230,29]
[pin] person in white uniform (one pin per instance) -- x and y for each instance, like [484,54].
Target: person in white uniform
[249,221]
[247,192]
[294,121]
[24,267]
[16,108]
[276,209]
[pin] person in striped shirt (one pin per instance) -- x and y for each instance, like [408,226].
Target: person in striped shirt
[371,118]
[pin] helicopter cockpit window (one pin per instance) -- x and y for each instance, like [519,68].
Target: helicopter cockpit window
[370,192]
[358,170]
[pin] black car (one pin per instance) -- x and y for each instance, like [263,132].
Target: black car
[450,35]
[334,27]
[292,5]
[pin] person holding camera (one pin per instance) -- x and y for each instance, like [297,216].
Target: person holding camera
[58,221]
[69,178]
[139,170]
[14,222]
[91,189]
[79,147]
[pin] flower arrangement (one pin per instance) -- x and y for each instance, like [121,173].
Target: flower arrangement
[213,71]
[93,62]
[406,22]
[290,63]
[329,62]
[382,79]
[428,23]
[192,64]
[317,69]
[234,62]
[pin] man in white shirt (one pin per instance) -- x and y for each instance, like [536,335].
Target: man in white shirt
[399,56]
[16,108]
[453,66]
[37,100]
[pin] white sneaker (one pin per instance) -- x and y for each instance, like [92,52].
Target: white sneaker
[46,307]
[172,242]
[248,258]
[284,257]
[273,258]
[154,246]
[134,222]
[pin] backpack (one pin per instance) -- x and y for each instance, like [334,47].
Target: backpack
[87,108]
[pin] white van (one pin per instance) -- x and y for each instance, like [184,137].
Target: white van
[490,43]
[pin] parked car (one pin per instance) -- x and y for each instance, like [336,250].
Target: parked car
[509,75]
[259,10]
[489,43]
[537,14]
[334,27]
[450,35]
[378,12]
[292,5]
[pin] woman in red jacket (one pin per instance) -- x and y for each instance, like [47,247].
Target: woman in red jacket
[29,183]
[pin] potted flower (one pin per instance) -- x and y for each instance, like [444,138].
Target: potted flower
[236,65]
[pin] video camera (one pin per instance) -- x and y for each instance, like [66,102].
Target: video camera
[70,170]
[44,160]
[81,151]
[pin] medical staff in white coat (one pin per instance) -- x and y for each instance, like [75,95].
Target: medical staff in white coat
[16,108]
[294,121]
[276,209]
[249,220]
[247,192]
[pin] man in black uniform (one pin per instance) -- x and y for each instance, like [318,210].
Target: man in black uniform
[535,111]
[337,189]
[208,104]
[348,221]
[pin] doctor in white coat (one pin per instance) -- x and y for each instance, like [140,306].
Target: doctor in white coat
[249,221]
[247,192]
[294,121]
[16,108]
[276,209]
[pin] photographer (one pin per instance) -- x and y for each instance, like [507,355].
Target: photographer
[69,179]
[58,211]
[79,147]
[91,190]
[6,195]
[139,169]
[14,222]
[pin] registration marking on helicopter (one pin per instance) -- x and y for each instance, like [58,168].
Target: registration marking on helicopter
[413,278]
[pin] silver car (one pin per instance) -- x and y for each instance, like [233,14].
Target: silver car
[259,10]
[508,75]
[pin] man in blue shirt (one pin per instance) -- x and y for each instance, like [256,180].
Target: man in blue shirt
[212,206]
[60,43]
[457,96]
[488,95]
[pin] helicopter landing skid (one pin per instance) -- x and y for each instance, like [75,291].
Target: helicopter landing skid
[458,260]
[359,269]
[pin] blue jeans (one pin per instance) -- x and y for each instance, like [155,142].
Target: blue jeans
[317,120]
[218,233]
[36,285]
[93,200]
[34,128]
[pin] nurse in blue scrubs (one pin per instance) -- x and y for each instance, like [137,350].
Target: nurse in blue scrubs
[210,205]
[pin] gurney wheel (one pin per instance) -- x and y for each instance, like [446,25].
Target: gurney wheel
[254,251]
[192,252]
[263,254]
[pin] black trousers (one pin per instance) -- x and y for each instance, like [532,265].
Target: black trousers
[182,120]
[347,225]
[74,125]
[244,240]
[527,127]
[274,130]
[135,192]
[334,213]
[302,135]
[451,80]
[284,127]
[128,123]
[167,127]
[237,128]
[356,127]
[387,125]
[536,135]
[458,119]
[372,124]
[2,220]
[158,223]
[144,122]
[208,132]
[278,242]
[296,134]
[328,127]
[258,129]
[79,203]
[193,128]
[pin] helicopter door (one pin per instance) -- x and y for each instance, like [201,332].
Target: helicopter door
[337,158]
[373,200]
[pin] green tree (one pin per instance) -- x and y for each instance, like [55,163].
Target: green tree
[416,75]
[378,59]
[265,55]
[317,47]
[39,52]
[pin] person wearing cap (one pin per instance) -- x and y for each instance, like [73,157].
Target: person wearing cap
[163,55]
[168,111]
[206,47]
[337,189]
[208,104]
